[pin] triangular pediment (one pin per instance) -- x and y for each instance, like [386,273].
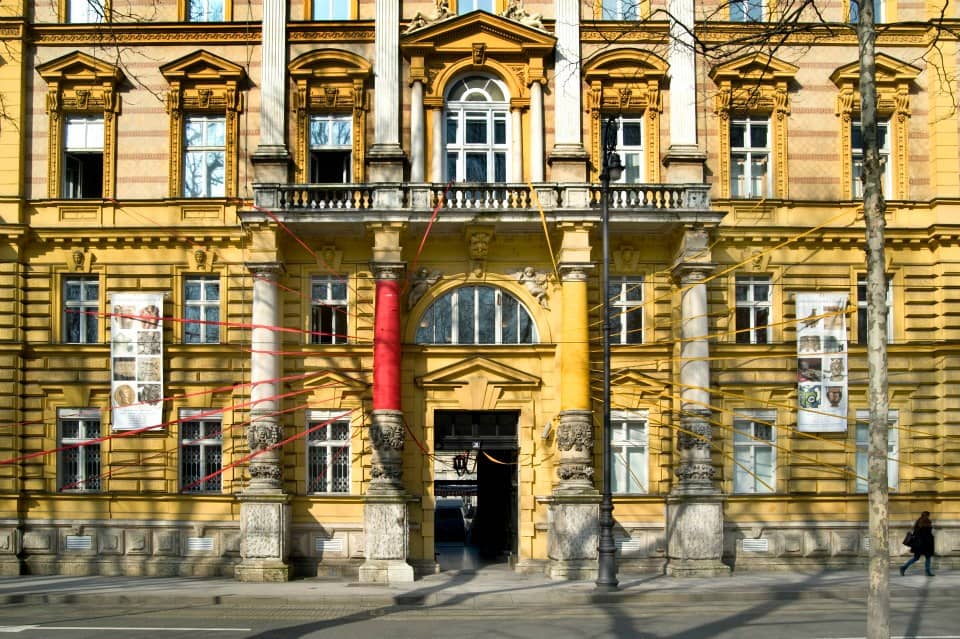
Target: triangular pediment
[467,371]
[754,68]
[202,66]
[890,71]
[639,385]
[331,387]
[79,67]
[459,35]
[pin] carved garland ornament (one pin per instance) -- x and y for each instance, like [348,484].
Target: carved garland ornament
[577,436]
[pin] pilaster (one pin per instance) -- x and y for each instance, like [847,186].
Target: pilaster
[386,157]
[271,160]
[568,159]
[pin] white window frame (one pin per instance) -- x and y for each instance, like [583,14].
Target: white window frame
[746,185]
[322,438]
[477,104]
[329,311]
[86,308]
[332,123]
[427,333]
[84,448]
[203,150]
[331,9]
[624,302]
[627,447]
[744,8]
[749,428]
[632,155]
[856,158]
[209,440]
[753,305]
[201,316]
[82,136]
[206,10]
[86,11]
[862,438]
[619,9]
[862,309]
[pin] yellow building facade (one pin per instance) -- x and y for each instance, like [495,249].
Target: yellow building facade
[285,280]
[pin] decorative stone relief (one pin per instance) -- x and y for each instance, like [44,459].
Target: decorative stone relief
[575,445]
[420,283]
[440,12]
[386,440]
[516,11]
[535,282]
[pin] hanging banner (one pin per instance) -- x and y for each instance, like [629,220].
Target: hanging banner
[136,357]
[822,362]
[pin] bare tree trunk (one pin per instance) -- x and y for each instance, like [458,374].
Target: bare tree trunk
[874,207]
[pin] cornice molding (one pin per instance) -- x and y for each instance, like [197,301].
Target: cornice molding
[232,32]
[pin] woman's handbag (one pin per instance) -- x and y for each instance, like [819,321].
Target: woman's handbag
[908,540]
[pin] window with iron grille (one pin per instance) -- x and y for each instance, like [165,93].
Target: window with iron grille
[753,309]
[81,307]
[201,310]
[893,449]
[626,310]
[628,446]
[754,455]
[201,451]
[78,459]
[862,309]
[328,310]
[328,453]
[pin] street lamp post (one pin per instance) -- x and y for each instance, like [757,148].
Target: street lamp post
[611,169]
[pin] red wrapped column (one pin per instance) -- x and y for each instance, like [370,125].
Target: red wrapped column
[386,345]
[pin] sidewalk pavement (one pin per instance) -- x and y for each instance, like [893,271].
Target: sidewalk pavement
[494,586]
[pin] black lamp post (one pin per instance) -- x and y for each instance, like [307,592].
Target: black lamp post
[611,169]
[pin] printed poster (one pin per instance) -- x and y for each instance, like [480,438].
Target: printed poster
[136,356]
[822,362]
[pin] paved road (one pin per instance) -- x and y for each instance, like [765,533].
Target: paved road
[761,619]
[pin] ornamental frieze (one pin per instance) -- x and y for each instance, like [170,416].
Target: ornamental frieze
[387,435]
[575,471]
[577,436]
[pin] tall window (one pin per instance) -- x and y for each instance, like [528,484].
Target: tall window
[201,310]
[205,11]
[630,147]
[628,445]
[893,449]
[476,315]
[746,10]
[862,309]
[478,111]
[83,157]
[331,149]
[466,6]
[81,309]
[78,462]
[753,309]
[856,145]
[328,310]
[620,9]
[86,11]
[331,9]
[328,454]
[626,309]
[877,11]
[201,452]
[749,158]
[204,156]
[754,455]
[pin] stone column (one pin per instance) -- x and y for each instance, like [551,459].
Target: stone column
[535,135]
[264,507]
[516,170]
[684,159]
[385,520]
[574,512]
[695,505]
[271,160]
[417,133]
[385,156]
[568,159]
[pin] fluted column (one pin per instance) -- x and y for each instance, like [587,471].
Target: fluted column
[684,159]
[271,159]
[568,158]
[417,133]
[535,135]
[386,156]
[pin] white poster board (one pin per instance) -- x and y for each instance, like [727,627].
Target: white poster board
[136,360]
[822,362]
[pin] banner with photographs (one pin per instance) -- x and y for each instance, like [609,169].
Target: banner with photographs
[136,357]
[822,362]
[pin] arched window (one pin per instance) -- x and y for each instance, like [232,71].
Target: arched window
[477,131]
[477,315]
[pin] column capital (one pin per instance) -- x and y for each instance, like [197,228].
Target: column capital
[270,270]
[574,272]
[388,270]
[685,273]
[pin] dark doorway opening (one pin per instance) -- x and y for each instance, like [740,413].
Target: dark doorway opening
[475,481]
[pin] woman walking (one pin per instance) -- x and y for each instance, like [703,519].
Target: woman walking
[922,543]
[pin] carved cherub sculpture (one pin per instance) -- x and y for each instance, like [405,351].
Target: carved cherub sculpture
[535,282]
[420,283]
[516,11]
[441,12]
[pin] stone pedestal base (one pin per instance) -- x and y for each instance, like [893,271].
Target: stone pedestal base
[574,527]
[271,165]
[264,537]
[695,537]
[385,163]
[569,163]
[385,531]
[685,164]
